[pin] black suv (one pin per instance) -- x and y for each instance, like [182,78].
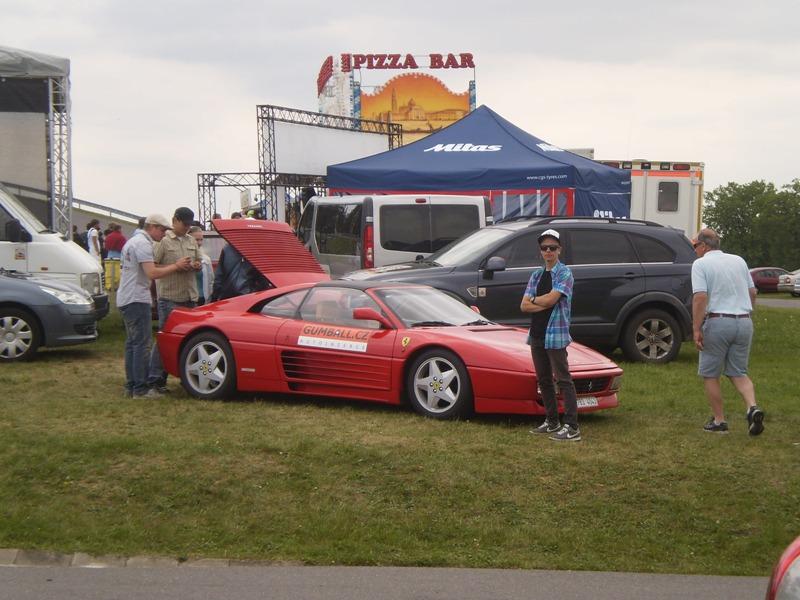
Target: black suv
[632,279]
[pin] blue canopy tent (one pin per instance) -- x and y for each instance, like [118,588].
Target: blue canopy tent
[484,154]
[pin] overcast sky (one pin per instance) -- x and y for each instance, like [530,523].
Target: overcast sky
[164,90]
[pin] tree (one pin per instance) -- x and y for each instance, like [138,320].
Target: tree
[757,221]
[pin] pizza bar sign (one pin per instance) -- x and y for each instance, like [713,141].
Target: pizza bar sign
[351,62]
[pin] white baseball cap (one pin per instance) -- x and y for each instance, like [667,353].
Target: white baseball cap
[549,233]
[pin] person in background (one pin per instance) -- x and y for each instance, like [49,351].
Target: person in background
[236,215]
[133,300]
[548,298]
[140,228]
[176,289]
[235,275]
[93,240]
[114,242]
[723,298]
[205,276]
[76,237]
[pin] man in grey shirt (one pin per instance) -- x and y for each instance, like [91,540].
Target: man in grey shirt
[133,300]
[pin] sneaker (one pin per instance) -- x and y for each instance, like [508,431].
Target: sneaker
[755,420]
[547,427]
[714,427]
[151,393]
[160,388]
[567,433]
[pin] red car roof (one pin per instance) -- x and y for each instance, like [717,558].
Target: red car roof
[273,249]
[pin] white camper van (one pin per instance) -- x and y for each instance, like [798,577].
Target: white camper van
[347,233]
[27,246]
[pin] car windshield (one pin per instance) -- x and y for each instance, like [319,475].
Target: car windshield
[427,307]
[470,248]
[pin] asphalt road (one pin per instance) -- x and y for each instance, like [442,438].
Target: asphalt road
[360,583]
[778,302]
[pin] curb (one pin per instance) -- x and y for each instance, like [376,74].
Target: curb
[13,557]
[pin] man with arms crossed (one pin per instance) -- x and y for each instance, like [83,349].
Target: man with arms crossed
[548,298]
[724,297]
[133,300]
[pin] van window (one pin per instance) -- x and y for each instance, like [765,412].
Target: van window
[668,196]
[405,227]
[339,229]
[595,247]
[304,227]
[448,223]
[425,227]
[5,219]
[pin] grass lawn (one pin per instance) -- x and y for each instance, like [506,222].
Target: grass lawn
[330,482]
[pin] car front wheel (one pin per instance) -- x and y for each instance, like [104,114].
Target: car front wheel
[651,336]
[438,385]
[207,367]
[19,335]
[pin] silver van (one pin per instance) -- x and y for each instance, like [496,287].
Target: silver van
[346,233]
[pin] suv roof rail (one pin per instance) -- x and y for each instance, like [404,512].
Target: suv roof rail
[579,219]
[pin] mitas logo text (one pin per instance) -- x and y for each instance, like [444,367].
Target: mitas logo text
[464,148]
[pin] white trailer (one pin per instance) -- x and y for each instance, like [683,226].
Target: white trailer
[669,193]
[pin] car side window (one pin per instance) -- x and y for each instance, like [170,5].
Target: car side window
[652,251]
[599,247]
[522,251]
[284,306]
[335,306]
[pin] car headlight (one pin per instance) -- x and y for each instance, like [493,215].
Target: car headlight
[616,383]
[68,297]
[91,283]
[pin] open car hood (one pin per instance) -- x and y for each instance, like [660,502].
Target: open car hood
[273,250]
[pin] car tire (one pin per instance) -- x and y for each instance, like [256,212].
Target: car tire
[20,336]
[795,295]
[207,367]
[651,336]
[438,385]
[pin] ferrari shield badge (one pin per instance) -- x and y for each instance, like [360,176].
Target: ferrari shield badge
[405,342]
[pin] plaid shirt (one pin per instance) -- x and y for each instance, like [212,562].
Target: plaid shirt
[557,334]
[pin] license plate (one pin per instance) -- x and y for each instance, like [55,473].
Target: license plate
[587,401]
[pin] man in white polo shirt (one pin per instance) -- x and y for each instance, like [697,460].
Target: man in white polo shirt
[724,297]
[133,300]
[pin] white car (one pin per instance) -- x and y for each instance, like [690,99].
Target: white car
[788,282]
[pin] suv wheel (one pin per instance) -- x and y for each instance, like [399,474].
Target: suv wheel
[652,336]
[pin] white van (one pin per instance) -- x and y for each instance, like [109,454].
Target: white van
[346,233]
[27,246]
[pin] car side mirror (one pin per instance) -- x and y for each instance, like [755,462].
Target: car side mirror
[370,314]
[495,263]
[16,233]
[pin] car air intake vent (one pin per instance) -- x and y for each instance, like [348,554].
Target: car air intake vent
[591,386]
[338,369]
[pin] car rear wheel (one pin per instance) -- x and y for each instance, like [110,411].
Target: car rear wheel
[438,385]
[19,335]
[207,367]
[651,336]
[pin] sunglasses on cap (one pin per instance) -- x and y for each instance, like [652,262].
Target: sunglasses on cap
[549,247]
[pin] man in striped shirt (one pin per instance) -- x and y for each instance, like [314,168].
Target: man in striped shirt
[177,289]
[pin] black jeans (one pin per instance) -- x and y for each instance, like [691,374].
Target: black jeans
[550,363]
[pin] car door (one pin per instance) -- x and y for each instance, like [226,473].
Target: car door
[500,292]
[607,274]
[325,350]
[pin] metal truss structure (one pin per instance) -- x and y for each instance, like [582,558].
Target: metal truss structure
[59,156]
[267,182]
[292,184]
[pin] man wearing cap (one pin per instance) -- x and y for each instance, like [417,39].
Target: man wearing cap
[548,297]
[176,289]
[723,298]
[133,299]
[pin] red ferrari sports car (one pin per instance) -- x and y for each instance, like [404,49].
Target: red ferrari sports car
[384,342]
